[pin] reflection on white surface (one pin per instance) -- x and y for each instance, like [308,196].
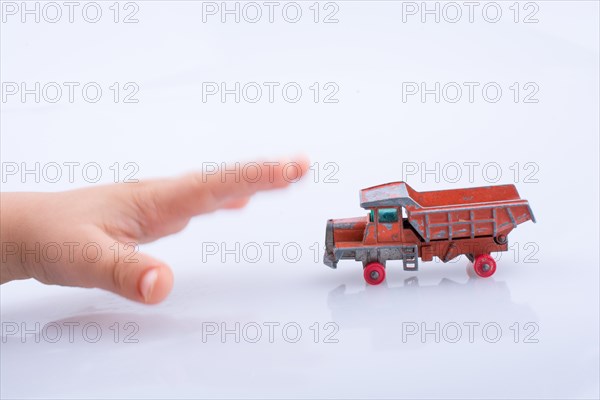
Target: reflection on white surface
[350,334]
[415,314]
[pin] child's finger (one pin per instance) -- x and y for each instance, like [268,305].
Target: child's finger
[134,275]
[199,193]
[236,203]
[111,265]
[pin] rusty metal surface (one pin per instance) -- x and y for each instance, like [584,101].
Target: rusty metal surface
[443,224]
[389,194]
[469,221]
[401,194]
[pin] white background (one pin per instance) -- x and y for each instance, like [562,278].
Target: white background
[548,283]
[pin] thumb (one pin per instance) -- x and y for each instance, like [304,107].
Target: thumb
[138,277]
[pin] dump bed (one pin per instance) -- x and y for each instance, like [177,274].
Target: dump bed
[456,213]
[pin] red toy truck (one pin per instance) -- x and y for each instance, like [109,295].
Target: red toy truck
[404,224]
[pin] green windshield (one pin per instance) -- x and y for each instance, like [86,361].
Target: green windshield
[388,215]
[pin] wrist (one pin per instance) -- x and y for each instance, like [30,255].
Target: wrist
[11,267]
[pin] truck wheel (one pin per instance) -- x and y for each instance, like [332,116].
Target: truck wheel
[374,273]
[484,265]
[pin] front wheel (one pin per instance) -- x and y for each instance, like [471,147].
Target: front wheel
[484,265]
[374,273]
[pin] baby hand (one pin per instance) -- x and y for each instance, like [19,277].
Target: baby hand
[84,237]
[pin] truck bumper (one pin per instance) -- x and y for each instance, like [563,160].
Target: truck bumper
[329,258]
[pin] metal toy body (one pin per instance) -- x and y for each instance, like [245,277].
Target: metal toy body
[404,224]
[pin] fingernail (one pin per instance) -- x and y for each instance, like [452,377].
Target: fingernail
[147,283]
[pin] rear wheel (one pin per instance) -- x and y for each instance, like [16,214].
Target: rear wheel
[484,265]
[374,273]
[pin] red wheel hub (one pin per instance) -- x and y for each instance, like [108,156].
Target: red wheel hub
[484,265]
[374,273]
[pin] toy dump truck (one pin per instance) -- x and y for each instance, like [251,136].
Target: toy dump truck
[403,224]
